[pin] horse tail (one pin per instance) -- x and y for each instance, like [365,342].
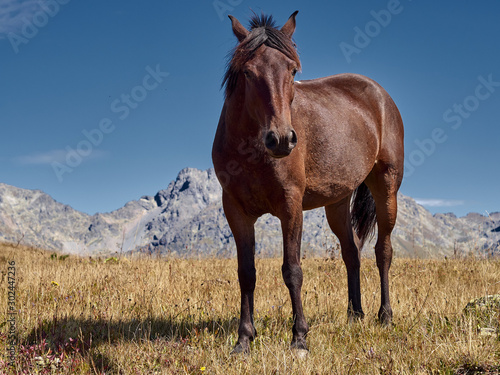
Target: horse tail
[363,215]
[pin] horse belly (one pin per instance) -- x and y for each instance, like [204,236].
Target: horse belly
[324,193]
[336,168]
[341,150]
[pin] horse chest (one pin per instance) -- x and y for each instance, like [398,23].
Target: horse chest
[252,191]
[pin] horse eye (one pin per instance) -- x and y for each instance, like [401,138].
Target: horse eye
[294,72]
[246,73]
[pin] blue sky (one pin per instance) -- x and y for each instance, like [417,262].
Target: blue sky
[102,102]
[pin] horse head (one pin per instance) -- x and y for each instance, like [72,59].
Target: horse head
[263,67]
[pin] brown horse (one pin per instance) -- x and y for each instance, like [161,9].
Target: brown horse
[282,147]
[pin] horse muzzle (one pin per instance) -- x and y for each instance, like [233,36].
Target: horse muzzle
[279,146]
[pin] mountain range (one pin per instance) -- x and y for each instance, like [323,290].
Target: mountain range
[186,219]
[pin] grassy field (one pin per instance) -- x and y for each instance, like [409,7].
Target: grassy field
[170,316]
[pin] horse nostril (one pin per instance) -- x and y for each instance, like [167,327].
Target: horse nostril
[271,140]
[293,138]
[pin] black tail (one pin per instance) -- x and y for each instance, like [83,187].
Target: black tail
[363,216]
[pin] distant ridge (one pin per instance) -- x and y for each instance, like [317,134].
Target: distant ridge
[186,219]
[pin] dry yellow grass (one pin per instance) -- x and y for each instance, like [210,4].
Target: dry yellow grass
[171,316]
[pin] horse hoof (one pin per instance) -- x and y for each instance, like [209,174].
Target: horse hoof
[299,345]
[385,321]
[385,317]
[355,316]
[300,354]
[240,349]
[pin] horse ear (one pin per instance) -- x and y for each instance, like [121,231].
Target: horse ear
[289,27]
[238,29]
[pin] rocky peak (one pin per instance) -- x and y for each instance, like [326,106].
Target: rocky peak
[187,219]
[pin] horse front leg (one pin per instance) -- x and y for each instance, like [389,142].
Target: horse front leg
[291,224]
[242,227]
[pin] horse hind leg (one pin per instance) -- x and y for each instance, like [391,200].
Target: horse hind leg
[384,182]
[339,219]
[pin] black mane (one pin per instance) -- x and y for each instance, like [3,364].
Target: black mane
[262,21]
[263,31]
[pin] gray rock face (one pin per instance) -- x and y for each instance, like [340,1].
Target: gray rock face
[33,217]
[187,219]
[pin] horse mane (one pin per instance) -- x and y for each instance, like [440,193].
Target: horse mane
[263,31]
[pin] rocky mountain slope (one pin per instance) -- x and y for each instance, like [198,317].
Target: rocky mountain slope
[186,219]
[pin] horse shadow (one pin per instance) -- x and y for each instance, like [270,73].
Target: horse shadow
[83,335]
